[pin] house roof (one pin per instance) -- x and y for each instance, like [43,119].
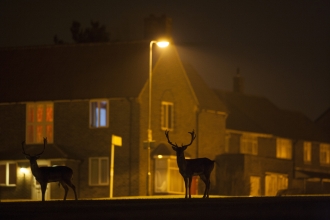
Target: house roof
[324,121]
[85,71]
[207,98]
[259,115]
[77,71]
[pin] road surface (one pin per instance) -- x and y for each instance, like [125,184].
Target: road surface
[298,207]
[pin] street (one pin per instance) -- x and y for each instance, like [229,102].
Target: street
[303,207]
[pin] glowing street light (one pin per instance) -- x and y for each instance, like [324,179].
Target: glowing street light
[159,44]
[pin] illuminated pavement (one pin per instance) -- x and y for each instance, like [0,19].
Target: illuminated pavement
[302,207]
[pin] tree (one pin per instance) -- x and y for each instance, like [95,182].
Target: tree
[96,33]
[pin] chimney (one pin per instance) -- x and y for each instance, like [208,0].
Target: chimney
[156,28]
[238,84]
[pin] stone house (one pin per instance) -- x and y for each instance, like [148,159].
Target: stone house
[79,95]
[270,151]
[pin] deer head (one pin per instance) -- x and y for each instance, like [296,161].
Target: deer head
[33,157]
[181,149]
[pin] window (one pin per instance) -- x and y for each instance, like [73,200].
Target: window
[254,186]
[275,182]
[167,116]
[99,113]
[325,153]
[307,152]
[249,144]
[98,171]
[8,174]
[39,122]
[283,148]
[167,176]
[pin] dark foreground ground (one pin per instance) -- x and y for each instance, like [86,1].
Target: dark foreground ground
[213,208]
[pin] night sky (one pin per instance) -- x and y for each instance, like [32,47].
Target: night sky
[280,46]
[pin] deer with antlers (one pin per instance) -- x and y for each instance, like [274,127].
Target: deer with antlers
[188,168]
[44,175]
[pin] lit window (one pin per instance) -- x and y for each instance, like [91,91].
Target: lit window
[167,176]
[167,116]
[325,154]
[283,148]
[249,144]
[8,174]
[39,122]
[99,171]
[254,186]
[307,152]
[275,182]
[99,113]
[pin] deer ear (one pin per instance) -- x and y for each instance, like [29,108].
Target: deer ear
[175,148]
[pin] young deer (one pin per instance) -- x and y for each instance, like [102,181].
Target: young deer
[188,168]
[44,175]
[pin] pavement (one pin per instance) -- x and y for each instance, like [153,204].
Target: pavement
[286,207]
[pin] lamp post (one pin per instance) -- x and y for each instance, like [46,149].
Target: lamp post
[159,44]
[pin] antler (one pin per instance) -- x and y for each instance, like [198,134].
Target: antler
[168,139]
[45,142]
[193,136]
[23,144]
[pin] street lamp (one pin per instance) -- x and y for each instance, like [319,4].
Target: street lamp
[159,44]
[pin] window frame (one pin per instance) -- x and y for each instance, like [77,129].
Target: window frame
[97,125]
[168,167]
[245,140]
[275,182]
[100,171]
[31,121]
[325,149]
[307,152]
[8,174]
[284,148]
[167,116]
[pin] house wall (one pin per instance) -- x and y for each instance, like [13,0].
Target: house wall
[79,139]
[22,190]
[260,166]
[12,133]
[231,177]
[169,83]
[235,171]
[267,147]
[73,135]
[235,168]
[12,127]
[211,130]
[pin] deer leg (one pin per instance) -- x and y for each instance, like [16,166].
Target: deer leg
[207,185]
[185,184]
[73,187]
[66,189]
[74,190]
[190,179]
[43,190]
